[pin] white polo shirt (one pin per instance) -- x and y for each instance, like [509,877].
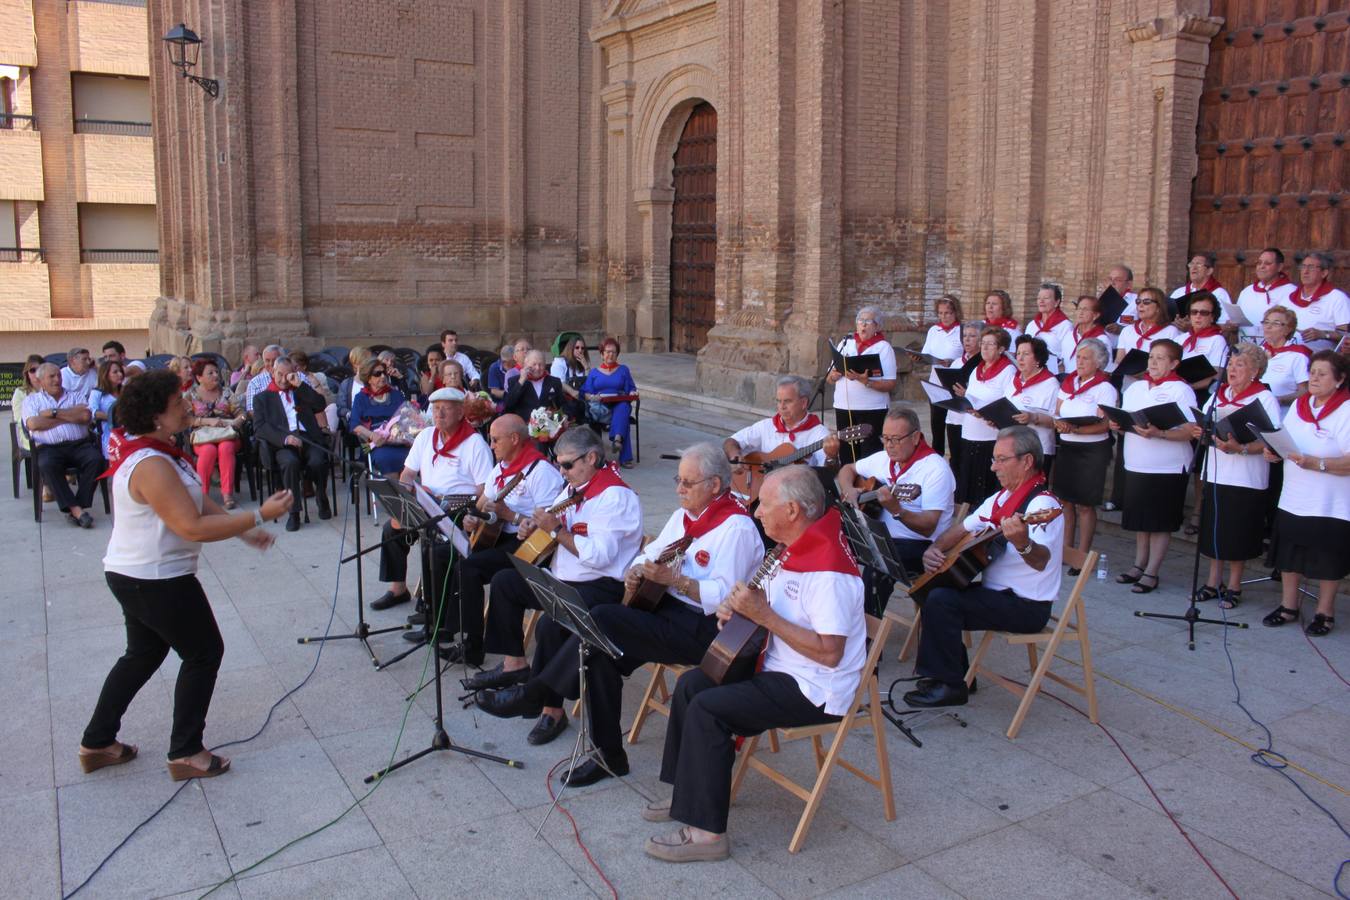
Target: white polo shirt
[1157,456]
[1054,340]
[980,393]
[933,475]
[849,394]
[1285,371]
[1213,348]
[1010,571]
[1039,397]
[1256,298]
[467,468]
[826,603]
[72,382]
[1308,492]
[1085,404]
[764,437]
[728,554]
[1331,310]
[540,485]
[1248,470]
[943,344]
[607,531]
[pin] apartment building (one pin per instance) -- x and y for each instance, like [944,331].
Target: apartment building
[79,259]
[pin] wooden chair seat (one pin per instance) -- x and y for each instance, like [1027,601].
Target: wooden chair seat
[656,699]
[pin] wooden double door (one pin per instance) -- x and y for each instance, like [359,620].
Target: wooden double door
[693,235]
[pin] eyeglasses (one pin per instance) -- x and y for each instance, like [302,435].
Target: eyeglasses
[32,371]
[1146,303]
[378,373]
[866,321]
[688,485]
[566,465]
[897,439]
[1003,459]
[1203,312]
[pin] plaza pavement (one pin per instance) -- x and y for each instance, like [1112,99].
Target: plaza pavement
[1059,812]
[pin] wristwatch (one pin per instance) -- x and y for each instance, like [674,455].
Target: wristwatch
[1322,464]
[258,519]
[1027,552]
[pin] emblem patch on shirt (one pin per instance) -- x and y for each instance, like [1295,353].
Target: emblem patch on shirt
[792,589]
[580,529]
[703,557]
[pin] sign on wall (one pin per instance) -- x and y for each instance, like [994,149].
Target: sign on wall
[11,377]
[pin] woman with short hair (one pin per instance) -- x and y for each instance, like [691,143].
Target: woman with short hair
[1033,390]
[988,382]
[944,344]
[1287,371]
[862,398]
[1085,449]
[374,406]
[998,311]
[1152,325]
[612,379]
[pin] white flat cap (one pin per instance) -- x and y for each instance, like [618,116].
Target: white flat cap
[448,393]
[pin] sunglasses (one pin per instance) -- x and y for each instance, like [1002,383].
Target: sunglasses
[1203,312]
[378,373]
[32,371]
[567,466]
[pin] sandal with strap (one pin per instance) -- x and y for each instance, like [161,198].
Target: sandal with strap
[92,762]
[1141,588]
[1280,615]
[1229,599]
[182,771]
[1207,593]
[1320,626]
[1127,578]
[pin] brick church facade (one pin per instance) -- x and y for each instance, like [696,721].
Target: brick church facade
[728,178]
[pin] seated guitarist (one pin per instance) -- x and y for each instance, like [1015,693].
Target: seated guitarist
[539,483]
[724,551]
[905,458]
[817,644]
[792,425]
[597,539]
[1017,589]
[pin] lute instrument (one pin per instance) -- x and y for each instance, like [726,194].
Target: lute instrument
[746,482]
[733,654]
[539,546]
[970,557]
[873,489]
[648,593]
[486,533]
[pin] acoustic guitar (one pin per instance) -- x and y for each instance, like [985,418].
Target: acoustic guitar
[873,489]
[746,484]
[648,593]
[539,546]
[486,534]
[733,654]
[970,557]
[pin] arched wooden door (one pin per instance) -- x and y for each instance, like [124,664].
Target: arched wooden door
[693,233]
[1274,118]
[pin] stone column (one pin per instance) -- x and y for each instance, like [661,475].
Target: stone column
[623,273]
[653,314]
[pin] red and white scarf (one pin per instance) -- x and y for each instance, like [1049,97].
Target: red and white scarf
[806,424]
[1170,376]
[525,456]
[1086,386]
[1019,385]
[1211,284]
[898,470]
[122,445]
[1056,316]
[718,511]
[1280,281]
[1221,397]
[1305,407]
[1323,289]
[1014,500]
[821,548]
[860,346]
[1004,323]
[1145,335]
[1287,348]
[457,437]
[1194,340]
[985,371]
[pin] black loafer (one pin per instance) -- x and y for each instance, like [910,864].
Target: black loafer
[389,599]
[508,703]
[293,523]
[417,619]
[938,694]
[924,684]
[73,519]
[546,729]
[591,771]
[325,511]
[458,653]
[496,677]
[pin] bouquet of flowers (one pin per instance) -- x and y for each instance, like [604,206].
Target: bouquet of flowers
[479,408]
[546,424]
[404,425]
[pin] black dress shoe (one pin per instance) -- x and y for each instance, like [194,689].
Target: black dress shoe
[417,619]
[458,653]
[293,523]
[325,511]
[546,729]
[496,677]
[390,599]
[591,771]
[925,684]
[938,694]
[508,703]
[419,636]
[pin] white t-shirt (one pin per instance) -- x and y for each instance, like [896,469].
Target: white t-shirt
[764,437]
[1068,349]
[1085,404]
[980,393]
[1284,373]
[826,603]
[1157,456]
[1130,338]
[142,546]
[82,383]
[954,419]
[607,530]
[467,467]
[1256,300]
[849,394]
[1010,571]
[1038,397]
[1308,492]
[728,554]
[1249,470]
[1054,341]
[932,473]
[1332,310]
[943,344]
[538,488]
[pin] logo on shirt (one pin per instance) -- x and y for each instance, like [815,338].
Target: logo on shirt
[791,589]
[702,558]
[580,529]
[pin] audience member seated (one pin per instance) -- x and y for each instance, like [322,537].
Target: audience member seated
[285,420]
[78,373]
[571,364]
[374,406]
[216,420]
[261,380]
[182,367]
[450,350]
[29,385]
[612,379]
[248,357]
[496,374]
[113,350]
[103,398]
[318,381]
[535,388]
[59,421]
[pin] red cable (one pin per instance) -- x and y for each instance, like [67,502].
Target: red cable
[1319,652]
[576,833]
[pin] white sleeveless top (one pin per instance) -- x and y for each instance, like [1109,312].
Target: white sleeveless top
[142,546]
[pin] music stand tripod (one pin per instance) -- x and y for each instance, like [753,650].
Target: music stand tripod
[402,504]
[363,630]
[564,605]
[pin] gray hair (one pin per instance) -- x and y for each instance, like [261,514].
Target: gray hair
[1024,441]
[580,441]
[976,327]
[387,356]
[283,360]
[274,348]
[875,313]
[46,367]
[712,462]
[799,485]
[1253,354]
[532,354]
[905,412]
[76,351]
[1098,348]
[803,385]
[1129,273]
[1321,258]
[507,348]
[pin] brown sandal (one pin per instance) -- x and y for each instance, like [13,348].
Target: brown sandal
[92,762]
[182,771]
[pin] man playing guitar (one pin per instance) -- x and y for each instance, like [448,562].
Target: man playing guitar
[792,425]
[1019,586]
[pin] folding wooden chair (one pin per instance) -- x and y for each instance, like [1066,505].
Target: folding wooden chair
[1069,625]
[913,622]
[865,708]
[656,699]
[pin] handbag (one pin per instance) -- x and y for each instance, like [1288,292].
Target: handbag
[213,434]
[600,413]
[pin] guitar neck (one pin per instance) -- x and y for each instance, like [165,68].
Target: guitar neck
[573,500]
[673,550]
[510,486]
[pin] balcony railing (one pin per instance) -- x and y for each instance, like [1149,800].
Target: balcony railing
[22,254]
[119,256]
[16,122]
[140,3]
[112,126]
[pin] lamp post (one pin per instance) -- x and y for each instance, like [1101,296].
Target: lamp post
[183,47]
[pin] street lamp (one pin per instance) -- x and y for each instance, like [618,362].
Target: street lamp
[183,47]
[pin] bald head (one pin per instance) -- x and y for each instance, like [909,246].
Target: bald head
[507,434]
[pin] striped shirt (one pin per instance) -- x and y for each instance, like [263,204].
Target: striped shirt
[38,403]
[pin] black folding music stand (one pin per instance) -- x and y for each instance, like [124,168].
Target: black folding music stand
[871,543]
[562,603]
[402,504]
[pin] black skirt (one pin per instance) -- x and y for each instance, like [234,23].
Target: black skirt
[976,480]
[1312,546]
[1153,503]
[1232,522]
[1080,474]
[843,418]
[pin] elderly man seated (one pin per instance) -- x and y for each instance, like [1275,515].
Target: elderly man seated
[58,420]
[285,420]
[79,375]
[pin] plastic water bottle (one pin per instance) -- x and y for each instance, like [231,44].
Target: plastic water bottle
[1101,567]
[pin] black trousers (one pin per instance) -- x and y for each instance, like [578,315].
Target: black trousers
[878,586]
[394,567]
[54,460]
[476,572]
[948,612]
[845,418]
[512,597]
[307,459]
[705,720]
[954,441]
[938,416]
[674,633]
[161,614]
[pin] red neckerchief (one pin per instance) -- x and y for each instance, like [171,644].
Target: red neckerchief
[527,454]
[1170,376]
[1322,290]
[716,512]
[1056,316]
[607,369]
[601,481]
[946,329]
[1305,410]
[1019,385]
[456,438]
[860,346]
[1280,281]
[1194,340]
[811,421]
[919,453]
[993,370]
[375,395]
[1010,506]
[1091,383]
[1094,331]
[1004,323]
[1287,348]
[436,383]
[1211,284]
[185,385]
[121,446]
[821,548]
[1145,335]
[1251,390]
